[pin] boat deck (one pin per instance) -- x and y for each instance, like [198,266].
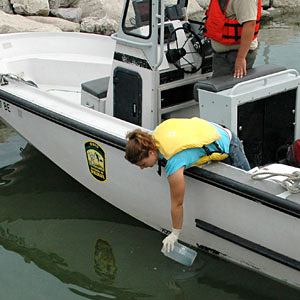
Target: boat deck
[71,94]
[271,185]
[58,68]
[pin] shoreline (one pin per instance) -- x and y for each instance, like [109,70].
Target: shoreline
[99,16]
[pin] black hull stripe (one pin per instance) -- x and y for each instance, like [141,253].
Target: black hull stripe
[266,252]
[203,175]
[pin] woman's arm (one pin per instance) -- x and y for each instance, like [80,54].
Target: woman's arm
[177,189]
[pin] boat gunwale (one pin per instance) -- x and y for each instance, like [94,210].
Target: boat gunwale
[62,120]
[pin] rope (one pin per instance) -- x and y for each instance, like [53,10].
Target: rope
[291,183]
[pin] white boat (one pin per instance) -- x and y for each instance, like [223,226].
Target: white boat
[75,97]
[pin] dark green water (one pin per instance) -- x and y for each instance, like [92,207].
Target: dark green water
[60,241]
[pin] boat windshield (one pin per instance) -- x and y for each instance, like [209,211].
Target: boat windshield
[137,17]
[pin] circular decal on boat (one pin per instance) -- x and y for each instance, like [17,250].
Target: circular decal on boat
[95,156]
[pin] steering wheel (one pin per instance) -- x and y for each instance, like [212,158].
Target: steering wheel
[174,55]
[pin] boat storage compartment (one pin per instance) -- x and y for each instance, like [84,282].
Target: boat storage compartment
[94,92]
[127,95]
[259,108]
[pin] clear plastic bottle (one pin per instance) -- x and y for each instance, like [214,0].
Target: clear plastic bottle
[181,254]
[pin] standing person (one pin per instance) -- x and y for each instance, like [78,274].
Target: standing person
[232,26]
[184,143]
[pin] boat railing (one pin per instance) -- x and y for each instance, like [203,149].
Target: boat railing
[261,81]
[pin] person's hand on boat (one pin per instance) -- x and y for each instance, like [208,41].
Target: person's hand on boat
[240,68]
[171,239]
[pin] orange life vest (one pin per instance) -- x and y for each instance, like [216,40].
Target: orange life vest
[225,30]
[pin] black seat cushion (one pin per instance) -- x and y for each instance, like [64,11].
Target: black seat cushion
[96,87]
[221,83]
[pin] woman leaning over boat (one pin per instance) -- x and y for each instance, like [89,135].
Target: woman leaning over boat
[183,143]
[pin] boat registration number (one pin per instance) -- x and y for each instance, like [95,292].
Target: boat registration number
[4,105]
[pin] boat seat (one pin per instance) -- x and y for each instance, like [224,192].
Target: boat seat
[221,83]
[96,87]
[94,92]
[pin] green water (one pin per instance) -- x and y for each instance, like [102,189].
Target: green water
[60,241]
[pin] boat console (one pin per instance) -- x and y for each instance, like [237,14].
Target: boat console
[260,108]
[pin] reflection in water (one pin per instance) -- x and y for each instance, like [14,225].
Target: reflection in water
[266,53]
[5,133]
[279,42]
[105,263]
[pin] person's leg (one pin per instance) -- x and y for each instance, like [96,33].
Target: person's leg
[250,59]
[220,64]
[223,63]
[237,155]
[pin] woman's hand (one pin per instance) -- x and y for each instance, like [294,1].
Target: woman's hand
[170,240]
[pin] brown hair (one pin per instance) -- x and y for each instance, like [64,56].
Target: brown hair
[138,146]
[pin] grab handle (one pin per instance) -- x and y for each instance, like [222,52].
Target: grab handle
[235,90]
